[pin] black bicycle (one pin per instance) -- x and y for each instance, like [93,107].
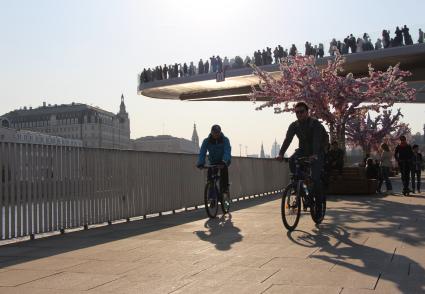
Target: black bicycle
[213,192]
[298,191]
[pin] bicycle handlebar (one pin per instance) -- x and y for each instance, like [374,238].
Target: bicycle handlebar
[214,165]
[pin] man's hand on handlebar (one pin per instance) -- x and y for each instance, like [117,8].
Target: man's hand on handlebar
[200,166]
[280,158]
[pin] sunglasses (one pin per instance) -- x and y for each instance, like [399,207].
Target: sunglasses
[299,111]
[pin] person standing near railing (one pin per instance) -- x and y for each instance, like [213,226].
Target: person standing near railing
[219,152]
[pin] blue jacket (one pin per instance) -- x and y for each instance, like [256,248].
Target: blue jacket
[218,150]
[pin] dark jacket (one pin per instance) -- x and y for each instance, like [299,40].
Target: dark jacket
[309,134]
[218,150]
[417,162]
[403,153]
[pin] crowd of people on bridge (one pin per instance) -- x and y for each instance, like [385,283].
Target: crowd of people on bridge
[217,64]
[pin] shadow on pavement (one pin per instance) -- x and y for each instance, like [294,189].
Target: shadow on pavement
[221,232]
[402,225]
[24,251]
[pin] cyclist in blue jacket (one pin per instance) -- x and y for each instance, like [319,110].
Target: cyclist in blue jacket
[219,152]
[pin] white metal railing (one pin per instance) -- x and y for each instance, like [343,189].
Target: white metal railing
[46,188]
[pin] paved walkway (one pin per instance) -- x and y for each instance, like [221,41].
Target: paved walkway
[366,245]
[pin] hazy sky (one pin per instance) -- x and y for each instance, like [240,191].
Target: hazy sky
[90,51]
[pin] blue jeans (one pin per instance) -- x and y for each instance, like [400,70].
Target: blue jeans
[385,172]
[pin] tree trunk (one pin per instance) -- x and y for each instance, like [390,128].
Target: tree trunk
[332,133]
[340,136]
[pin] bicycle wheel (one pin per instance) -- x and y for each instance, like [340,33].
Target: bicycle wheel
[225,200]
[290,208]
[210,199]
[318,210]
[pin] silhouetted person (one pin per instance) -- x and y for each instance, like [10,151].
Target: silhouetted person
[407,37]
[276,55]
[281,52]
[269,58]
[219,64]
[200,67]
[206,67]
[307,49]
[185,69]
[398,40]
[359,45]
[386,38]
[353,43]
[321,51]
[263,57]
[416,168]
[293,50]
[213,63]
[165,72]
[404,155]
[378,44]
[191,69]
[421,36]
[385,168]
[176,70]
[333,46]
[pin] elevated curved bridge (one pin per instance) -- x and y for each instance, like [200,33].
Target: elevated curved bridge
[238,82]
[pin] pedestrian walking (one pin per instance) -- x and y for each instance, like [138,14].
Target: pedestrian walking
[385,167]
[404,155]
[417,164]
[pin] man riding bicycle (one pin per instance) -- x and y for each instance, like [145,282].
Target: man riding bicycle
[219,152]
[312,136]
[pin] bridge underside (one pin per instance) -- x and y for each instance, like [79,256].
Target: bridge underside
[238,82]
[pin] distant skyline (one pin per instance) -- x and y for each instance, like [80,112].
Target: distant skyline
[90,51]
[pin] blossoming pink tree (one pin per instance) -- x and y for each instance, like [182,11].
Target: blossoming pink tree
[370,134]
[333,98]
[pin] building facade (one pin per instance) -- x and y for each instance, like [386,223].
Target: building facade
[29,137]
[95,127]
[165,143]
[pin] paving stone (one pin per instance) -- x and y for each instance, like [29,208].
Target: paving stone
[71,281]
[15,277]
[23,290]
[313,277]
[362,238]
[48,263]
[102,267]
[293,289]
[124,285]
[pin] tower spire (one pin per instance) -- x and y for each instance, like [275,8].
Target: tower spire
[195,138]
[122,106]
[262,154]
